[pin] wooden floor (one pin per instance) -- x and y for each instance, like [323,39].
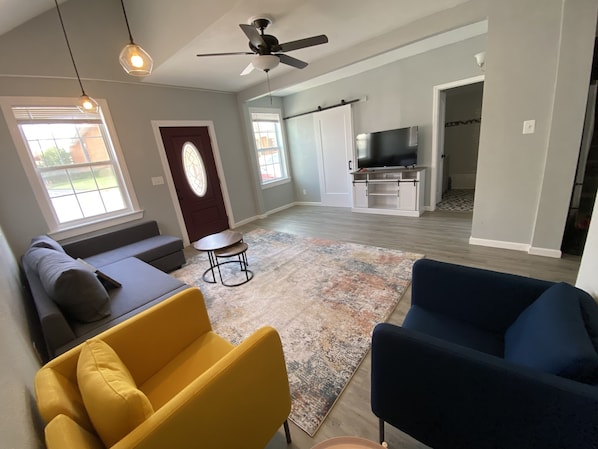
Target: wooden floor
[437,235]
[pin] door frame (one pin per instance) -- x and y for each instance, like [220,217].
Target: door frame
[439,95]
[156,125]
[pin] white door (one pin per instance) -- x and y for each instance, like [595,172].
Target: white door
[334,140]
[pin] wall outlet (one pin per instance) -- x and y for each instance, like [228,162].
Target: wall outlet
[157,180]
[529,127]
[304,192]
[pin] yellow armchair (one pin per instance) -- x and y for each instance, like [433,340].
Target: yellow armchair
[204,392]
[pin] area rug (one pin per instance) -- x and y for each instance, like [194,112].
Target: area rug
[323,297]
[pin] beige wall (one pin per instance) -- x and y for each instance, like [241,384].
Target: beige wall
[47,72]
[19,426]
[538,61]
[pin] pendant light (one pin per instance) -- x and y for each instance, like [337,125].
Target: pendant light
[134,59]
[86,103]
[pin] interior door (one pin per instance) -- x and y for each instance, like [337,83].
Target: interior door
[195,177]
[334,139]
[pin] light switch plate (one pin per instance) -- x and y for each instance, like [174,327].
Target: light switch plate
[157,180]
[529,127]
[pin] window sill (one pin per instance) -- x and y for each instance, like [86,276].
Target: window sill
[276,183]
[65,233]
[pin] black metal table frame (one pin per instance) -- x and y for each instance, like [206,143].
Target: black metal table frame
[215,264]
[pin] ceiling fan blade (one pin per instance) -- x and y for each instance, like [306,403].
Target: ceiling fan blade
[294,62]
[226,54]
[302,43]
[248,69]
[254,36]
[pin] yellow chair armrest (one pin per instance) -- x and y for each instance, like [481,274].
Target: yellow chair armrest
[62,432]
[241,401]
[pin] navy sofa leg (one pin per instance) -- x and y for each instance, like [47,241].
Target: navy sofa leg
[381,424]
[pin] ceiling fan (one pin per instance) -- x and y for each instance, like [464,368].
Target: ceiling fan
[266,48]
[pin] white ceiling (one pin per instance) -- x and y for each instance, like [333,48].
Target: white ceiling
[174,31]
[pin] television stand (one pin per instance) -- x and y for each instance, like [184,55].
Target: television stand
[391,191]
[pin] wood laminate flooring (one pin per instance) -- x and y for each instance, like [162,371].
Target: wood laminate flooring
[438,235]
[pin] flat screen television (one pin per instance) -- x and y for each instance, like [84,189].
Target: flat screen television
[391,148]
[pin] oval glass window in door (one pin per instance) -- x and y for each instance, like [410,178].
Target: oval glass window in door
[194,168]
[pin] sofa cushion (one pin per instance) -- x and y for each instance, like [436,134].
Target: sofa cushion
[142,286]
[550,336]
[75,289]
[113,402]
[147,250]
[45,241]
[459,332]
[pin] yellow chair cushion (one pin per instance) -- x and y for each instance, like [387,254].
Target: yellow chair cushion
[113,402]
[183,369]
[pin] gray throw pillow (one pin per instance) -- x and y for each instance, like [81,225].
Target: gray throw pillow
[45,241]
[75,289]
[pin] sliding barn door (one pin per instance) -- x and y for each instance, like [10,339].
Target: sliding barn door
[334,140]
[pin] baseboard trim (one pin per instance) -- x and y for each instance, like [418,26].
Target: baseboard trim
[534,251]
[307,203]
[499,244]
[546,252]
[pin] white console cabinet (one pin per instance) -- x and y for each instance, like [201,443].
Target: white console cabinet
[389,191]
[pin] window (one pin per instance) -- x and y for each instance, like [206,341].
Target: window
[195,170]
[71,162]
[269,146]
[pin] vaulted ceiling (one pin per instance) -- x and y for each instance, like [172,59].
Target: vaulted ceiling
[174,31]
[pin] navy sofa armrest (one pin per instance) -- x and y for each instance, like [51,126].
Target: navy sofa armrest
[488,299]
[55,328]
[448,396]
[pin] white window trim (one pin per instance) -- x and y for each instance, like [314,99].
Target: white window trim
[285,154]
[55,229]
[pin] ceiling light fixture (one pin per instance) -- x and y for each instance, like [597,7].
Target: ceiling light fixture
[86,103]
[265,62]
[134,59]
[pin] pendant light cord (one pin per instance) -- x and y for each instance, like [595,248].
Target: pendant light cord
[69,47]
[127,21]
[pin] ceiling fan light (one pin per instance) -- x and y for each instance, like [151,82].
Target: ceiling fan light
[135,60]
[265,62]
[87,104]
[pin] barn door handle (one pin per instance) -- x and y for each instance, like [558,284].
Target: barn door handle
[350,168]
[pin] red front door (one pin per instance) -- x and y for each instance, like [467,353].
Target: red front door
[191,161]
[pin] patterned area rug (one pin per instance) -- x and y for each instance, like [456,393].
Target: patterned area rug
[324,298]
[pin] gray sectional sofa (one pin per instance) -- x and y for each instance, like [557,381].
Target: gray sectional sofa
[73,303]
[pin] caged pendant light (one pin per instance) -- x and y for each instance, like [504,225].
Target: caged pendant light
[134,59]
[86,103]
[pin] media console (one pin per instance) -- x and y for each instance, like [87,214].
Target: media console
[398,191]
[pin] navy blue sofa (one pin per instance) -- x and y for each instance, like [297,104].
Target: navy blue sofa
[489,360]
